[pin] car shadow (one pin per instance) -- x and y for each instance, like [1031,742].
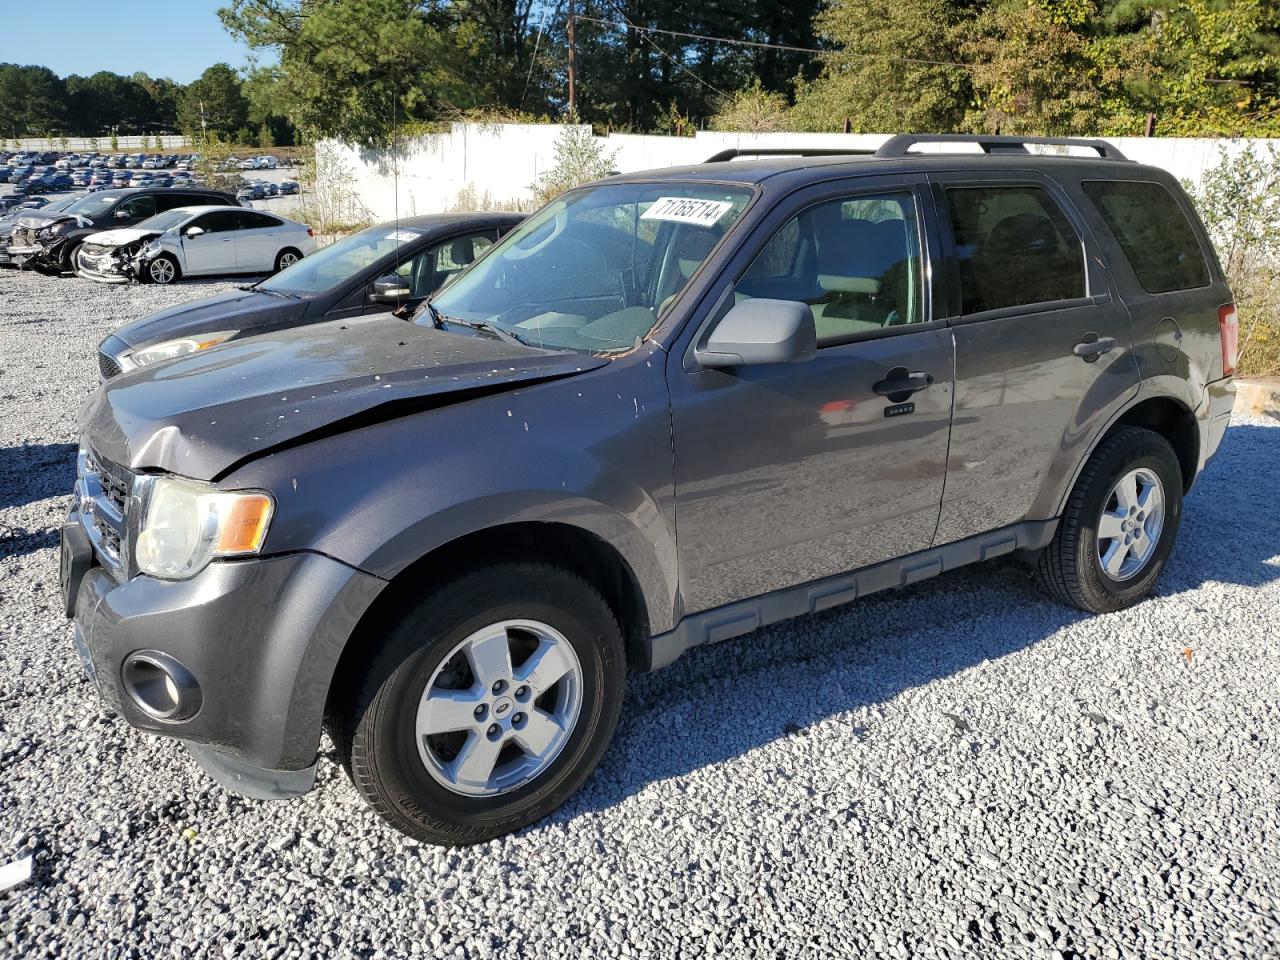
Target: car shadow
[721,701]
[30,473]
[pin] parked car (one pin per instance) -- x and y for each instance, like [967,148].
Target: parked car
[195,241]
[393,266]
[10,213]
[289,187]
[49,241]
[5,173]
[251,191]
[448,539]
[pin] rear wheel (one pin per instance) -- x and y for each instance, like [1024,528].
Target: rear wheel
[1120,524]
[163,269]
[287,258]
[487,705]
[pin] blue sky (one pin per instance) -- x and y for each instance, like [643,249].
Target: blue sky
[166,38]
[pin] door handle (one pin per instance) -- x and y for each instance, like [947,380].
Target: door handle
[1090,350]
[899,384]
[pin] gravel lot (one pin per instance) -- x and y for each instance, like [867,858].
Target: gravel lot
[961,768]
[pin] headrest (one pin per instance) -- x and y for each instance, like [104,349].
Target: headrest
[462,251]
[1023,233]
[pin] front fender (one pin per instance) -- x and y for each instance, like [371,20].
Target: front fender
[592,451]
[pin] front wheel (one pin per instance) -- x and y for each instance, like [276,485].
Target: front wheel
[163,270]
[487,705]
[1120,524]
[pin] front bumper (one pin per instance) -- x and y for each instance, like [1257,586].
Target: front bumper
[261,637]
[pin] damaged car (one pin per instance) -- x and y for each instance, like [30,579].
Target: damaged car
[49,241]
[195,241]
[391,267]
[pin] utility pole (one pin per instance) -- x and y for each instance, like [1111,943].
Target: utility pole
[573,70]
[204,136]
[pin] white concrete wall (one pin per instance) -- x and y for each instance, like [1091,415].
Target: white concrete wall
[490,166]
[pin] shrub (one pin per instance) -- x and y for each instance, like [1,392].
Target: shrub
[579,159]
[1239,201]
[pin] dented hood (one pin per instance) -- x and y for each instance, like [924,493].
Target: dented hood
[202,414]
[121,236]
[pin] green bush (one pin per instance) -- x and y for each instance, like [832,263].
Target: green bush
[1239,201]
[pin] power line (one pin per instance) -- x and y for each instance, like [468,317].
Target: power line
[643,32]
[759,44]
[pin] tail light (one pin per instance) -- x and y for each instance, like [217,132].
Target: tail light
[310,232]
[1229,334]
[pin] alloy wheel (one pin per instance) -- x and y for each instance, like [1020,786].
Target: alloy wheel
[499,708]
[161,270]
[1131,523]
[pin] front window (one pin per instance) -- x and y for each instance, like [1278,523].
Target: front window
[595,269]
[331,265]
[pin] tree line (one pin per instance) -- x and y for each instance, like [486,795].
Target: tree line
[36,102]
[363,70]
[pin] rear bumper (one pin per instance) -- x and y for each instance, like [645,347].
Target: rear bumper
[1221,401]
[260,638]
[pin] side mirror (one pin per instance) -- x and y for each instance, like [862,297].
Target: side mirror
[388,289]
[193,232]
[122,214]
[761,331]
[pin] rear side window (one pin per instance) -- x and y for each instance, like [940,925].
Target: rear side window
[1014,247]
[255,221]
[1153,232]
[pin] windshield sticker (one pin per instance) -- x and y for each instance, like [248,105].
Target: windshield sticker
[404,236]
[700,213]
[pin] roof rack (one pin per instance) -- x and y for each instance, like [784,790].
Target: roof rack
[900,145]
[733,152]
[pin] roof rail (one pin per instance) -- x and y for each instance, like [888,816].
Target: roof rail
[900,145]
[733,152]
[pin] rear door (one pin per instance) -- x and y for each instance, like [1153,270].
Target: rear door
[791,472]
[258,240]
[1043,347]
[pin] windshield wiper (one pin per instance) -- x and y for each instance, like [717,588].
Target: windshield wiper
[484,326]
[437,318]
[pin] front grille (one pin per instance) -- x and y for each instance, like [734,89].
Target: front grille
[108,365]
[102,490]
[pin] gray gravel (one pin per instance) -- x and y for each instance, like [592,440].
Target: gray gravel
[957,769]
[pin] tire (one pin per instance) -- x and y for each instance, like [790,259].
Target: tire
[155,272]
[1073,569]
[283,258]
[403,773]
[70,258]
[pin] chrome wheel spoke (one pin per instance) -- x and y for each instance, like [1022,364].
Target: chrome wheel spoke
[1126,492]
[539,732]
[474,762]
[1113,560]
[444,711]
[1111,526]
[545,666]
[490,658]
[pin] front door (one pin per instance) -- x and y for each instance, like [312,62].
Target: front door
[1043,348]
[214,250]
[787,473]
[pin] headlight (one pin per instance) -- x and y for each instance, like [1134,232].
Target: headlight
[177,348]
[187,524]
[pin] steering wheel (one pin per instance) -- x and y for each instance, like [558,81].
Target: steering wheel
[517,252]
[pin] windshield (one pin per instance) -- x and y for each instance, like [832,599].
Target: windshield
[164,221]
[340,261]
[93,206]
[596,268]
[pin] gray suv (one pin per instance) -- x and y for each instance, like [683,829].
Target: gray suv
[667,409]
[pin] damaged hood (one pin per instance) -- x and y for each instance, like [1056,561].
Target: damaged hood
[240,310]
[121,237]
[203,413]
